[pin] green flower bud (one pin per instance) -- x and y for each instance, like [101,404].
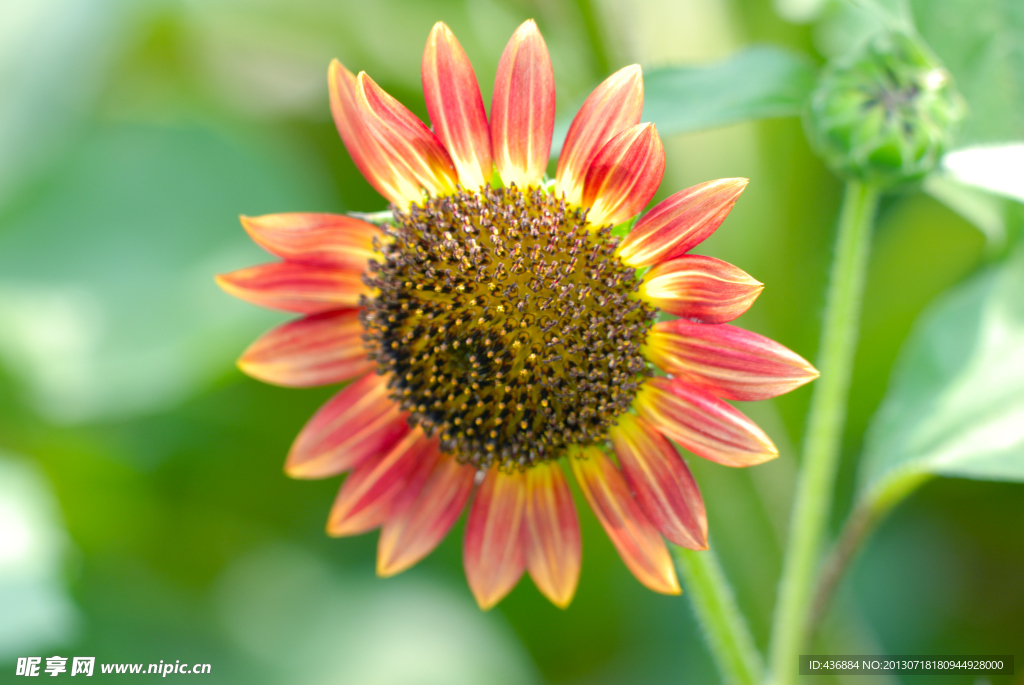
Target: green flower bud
[885,115]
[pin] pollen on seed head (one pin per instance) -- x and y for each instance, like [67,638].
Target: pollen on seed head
[507,324]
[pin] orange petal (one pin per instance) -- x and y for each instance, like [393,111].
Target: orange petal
[316,350]
[406,143]
[455,107]
[679,223]
[326,240]
[359,422]
[702,289]
[295,287]
[420,519]
[552,533]
[614,106]
[523,108]
[727,361]
[702,423]
[493,552]
[399,187]
[661,482]
[624,175]
[365,498]
[633,535]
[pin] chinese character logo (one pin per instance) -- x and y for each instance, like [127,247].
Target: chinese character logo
[82,665]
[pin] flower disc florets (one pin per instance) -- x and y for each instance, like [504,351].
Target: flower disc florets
[507,323]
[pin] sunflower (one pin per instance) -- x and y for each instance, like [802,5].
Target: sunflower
[497,328]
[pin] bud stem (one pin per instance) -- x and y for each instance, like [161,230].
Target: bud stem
[816,481]
[713,602]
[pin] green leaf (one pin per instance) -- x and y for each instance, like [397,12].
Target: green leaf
[757,83]
[955,406]
[108,306]
[988,212]
[982,44]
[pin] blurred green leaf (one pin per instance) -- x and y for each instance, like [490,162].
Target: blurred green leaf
[757,83]
[52,56]
[107,301]
[987,212]
[955,405]
[982,44]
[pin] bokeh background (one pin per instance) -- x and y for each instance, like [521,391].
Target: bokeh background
[144,514]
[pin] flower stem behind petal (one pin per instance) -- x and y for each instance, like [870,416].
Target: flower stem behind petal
[728,636]
[815,484]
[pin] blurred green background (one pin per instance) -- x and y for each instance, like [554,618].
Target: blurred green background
[144,514]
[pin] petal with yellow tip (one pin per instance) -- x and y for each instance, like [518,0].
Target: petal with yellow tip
[702,423]
[661,482]
[727,361]
[552,533]
[680,222]
[614,106]
[624,175]
[399,187]
[456,108]
[493,553]
[365,499]
[523,108]
[636,539]
[421,518]
[359,422]
[701,289]
[295,287]
[328,240]
[316,350]
[407,144]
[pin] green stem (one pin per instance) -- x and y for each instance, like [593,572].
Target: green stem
[727,634]
[816,481]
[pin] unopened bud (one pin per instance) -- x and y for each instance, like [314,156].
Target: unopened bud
[885,115]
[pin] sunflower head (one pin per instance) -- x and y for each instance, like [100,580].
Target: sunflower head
[496,330]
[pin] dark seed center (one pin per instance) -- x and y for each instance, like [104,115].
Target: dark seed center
[507,324]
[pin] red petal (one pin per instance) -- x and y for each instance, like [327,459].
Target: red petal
[365,499]
[637,541]
[399,187]
[317,350]
[523,108]
[493,552]
[726,361]
[702,423]
[624,175]
[680,222]
[420,520]
[359,422]
[295,287]
[660,482]
[456,108]
[326,240]
[552,533]
[614,106]
[406,143]
[702,289]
